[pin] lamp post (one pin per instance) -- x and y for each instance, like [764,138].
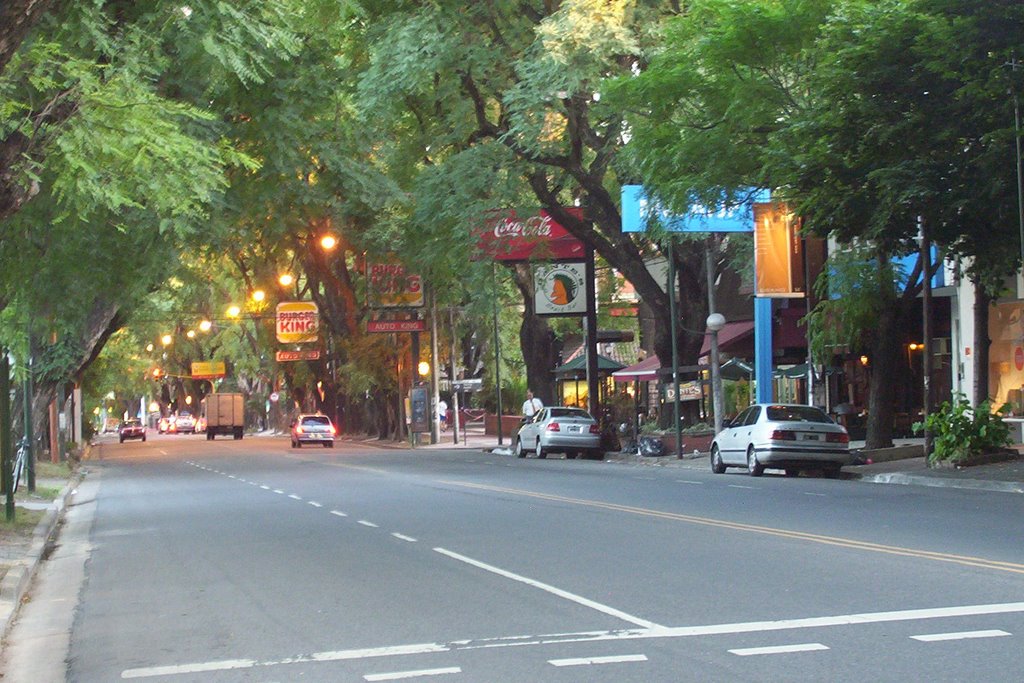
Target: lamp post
[715,322]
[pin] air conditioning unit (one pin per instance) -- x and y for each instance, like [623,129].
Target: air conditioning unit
[941,346]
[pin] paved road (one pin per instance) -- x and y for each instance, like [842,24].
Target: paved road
[185,560]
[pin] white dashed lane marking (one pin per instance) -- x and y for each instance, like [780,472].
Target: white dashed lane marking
[315,504]
[294,497]
[338,513]
[585,661]
[400,675]
[403,537]
[962,635]
[778,649]
[365,523]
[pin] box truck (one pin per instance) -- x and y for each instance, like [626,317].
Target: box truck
[224,415]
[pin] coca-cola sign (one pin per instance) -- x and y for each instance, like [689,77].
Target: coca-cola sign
[509,237]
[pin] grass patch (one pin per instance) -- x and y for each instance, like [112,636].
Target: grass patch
[24,524]
[60,470]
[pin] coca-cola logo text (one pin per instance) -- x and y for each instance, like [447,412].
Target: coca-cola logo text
[535,226]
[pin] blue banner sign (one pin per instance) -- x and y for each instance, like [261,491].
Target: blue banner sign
[638,209]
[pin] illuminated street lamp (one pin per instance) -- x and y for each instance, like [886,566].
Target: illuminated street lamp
[259,295]
[328,242]
[191,334]
[424,368]
[234,311]
[166,340]
[205,326]
[149,347]
[286,279]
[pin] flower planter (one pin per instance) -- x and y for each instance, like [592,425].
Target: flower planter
[700,442]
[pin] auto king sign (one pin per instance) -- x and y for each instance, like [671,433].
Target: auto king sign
[297,322]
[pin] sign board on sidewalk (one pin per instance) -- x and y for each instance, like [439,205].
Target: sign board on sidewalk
[390,285]
[297,322]
[418,409]
[286,356]
[560,289]
[396,326]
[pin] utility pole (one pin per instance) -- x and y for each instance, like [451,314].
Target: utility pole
[5,433]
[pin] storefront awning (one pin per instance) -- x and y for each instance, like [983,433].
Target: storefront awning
[644,371]
[732,332]
[578,365]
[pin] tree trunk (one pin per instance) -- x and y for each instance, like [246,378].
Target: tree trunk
[884,356]
[537,341]
[982,303]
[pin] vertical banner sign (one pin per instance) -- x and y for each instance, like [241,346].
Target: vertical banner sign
[778,252]
[560,289]
[390,285]
[298,322]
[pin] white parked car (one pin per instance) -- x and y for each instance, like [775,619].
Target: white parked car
[572,431]
[783,436]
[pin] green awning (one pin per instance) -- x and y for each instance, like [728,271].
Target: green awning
[578,366]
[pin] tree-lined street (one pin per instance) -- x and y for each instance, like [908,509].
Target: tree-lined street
[248,560]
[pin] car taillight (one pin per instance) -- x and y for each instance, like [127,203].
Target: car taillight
[594,429]
[333,430]
[783,435]
[554,427]
[842,437]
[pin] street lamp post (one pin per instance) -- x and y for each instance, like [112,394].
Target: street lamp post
[715,322]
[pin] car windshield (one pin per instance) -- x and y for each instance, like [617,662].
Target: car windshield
[184,413]
[570,412]
[797,414]
[316,420]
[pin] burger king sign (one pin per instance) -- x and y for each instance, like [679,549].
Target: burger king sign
[559,289]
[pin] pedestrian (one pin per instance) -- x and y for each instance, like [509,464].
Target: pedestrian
[531,405]
[442,414]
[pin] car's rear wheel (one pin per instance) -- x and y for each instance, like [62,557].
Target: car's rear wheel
[520,451]
[792,472]
[832,471]
[298,444]
[143,437]
[328,444]
[717,466]
[755,468]
[541,453]
[571,455]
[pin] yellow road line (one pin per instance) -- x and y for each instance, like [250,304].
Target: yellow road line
[753,528]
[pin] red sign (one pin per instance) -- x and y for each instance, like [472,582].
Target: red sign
[390,285]
[511,238]
[1018,358]
[285,356]
[396,326]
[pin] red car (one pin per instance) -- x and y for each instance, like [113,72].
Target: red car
[131,429]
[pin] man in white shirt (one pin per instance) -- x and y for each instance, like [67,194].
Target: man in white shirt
[531,405]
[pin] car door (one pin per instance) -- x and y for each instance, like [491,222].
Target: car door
[528,430]
[728,443]
[745,433]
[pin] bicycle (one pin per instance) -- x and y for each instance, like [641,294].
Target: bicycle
[20,470]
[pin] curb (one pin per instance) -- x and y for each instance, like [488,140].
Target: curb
[17,579]
[939,482]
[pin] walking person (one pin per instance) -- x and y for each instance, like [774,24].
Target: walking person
[532,405]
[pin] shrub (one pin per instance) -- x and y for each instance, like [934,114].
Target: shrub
[962,432]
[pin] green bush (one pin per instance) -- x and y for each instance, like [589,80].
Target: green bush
[962,432]
[698,428]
